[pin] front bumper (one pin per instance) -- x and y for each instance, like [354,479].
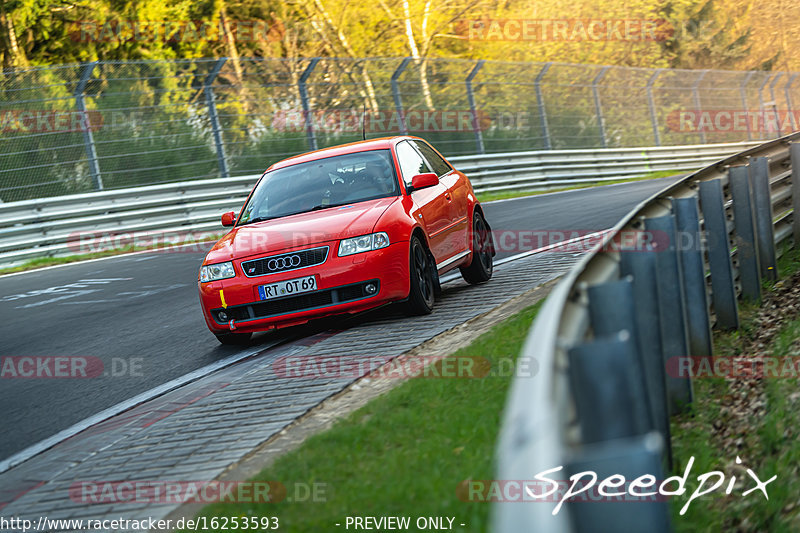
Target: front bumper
[341,288]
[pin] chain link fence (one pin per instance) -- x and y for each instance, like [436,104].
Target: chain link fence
[107,125]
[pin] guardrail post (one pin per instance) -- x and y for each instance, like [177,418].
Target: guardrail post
[540,104]
[214,117]
[723,288]
[605,387]
[746,245]
[86,126]
[598,109]
[611,310]
[398,102]
[762,202]
[652,106]
[794,152]
[672,310]
[743,95]
[687,220]
[696,98]
[641,266]
[308,119]
[476,126]
[630,458]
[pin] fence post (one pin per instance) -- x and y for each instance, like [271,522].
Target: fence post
[476,127]
[86,126]
[672,308]
[743,95]
[687,220]
[598,109]
[307,118]
[794,151]
[696,98]
[652,105]
[746,244]
[774,103]
[540,104]
[723,289]
[398,102]
[762,206]
[789,105]
[212,115]
[761,103]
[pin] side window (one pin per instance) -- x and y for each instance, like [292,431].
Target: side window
[439,165]
[411,163]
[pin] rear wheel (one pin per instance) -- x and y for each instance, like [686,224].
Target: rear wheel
[233,339]
[482,266]
[423,284]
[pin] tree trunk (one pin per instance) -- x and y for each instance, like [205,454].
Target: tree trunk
[233,54]
[421,64]
[369,95]
[13,55]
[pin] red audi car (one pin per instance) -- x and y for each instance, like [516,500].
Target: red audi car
[343,230]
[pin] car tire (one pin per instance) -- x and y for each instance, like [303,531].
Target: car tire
[482,265]
[423,282]
[233,339]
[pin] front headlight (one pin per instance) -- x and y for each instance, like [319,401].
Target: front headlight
[364,243]
[217,271]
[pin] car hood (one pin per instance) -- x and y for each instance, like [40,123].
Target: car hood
[299,230]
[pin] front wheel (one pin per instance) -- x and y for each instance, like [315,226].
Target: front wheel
[423,285]
[233,339]
[482,266]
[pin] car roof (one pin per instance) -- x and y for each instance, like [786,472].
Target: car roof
[382,143]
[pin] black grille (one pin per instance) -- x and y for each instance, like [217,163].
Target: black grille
[284,262]
[301,302]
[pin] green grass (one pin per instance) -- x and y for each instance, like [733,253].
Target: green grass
[405,452]
[504,195]
[770,445]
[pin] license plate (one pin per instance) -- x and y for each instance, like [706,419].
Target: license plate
[287,288]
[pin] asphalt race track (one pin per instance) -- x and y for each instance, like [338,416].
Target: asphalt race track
[140,315]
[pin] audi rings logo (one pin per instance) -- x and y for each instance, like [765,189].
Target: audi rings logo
[284,262]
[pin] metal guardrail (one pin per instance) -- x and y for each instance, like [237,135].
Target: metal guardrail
[602,397]
[54,226]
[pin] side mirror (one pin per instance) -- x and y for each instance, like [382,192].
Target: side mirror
[422,181]
[229,219]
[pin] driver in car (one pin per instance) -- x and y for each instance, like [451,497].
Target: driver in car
[377,176]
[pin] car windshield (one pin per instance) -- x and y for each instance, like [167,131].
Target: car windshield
[323,183]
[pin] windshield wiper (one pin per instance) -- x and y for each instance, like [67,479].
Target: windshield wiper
[257,219]
[326,206]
